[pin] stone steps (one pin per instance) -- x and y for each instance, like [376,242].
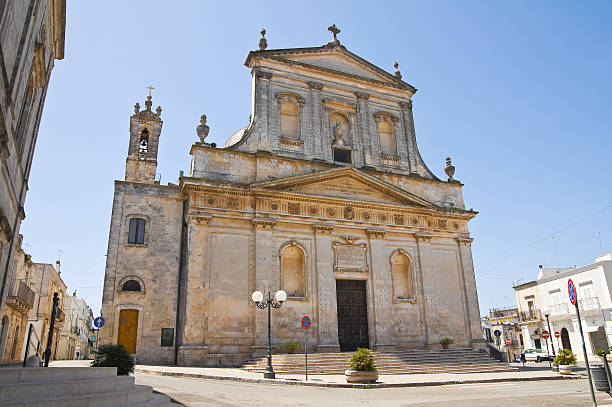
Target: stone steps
[74,387]
[407,362]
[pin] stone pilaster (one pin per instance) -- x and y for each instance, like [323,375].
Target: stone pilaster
[316,113]
[427,294]
[193,349]
[327,312]
[265,276]
[263,101]
[363,120]
[381,289]
[472,311]
[409,134]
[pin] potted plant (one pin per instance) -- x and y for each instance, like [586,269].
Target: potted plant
[446,342]
[565,359]
[292,346]
[114,356]
[362,368]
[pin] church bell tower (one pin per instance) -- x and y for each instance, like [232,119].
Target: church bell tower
[145,129]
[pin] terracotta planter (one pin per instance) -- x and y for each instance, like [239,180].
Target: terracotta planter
[445,345]
[355,376]
[565,369]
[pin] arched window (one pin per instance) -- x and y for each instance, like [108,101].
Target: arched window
[386,132]
[131,285]
[402,277]
[137,231]
[290,120]
[143,145]
[292,269]
[341,136]
[565,339]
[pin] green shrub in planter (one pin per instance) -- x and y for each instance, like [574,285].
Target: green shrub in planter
[362,360]
[114,356]
[565,357]
[292,346]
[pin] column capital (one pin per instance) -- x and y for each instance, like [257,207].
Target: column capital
[375,233]
[362,95]
[406,105]
[315,85]
[263,75]
[323,228]
[198,217]
[264,223]
[464,240]
[423,237]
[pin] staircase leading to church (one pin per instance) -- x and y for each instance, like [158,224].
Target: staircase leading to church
[403,362]
[74,386]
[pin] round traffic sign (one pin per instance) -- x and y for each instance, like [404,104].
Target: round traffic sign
[508,341]
[557,334]
[571,291]
[99,322]
[306,323]
[545,334]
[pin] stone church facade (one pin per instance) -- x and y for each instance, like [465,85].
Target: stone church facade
[324,195]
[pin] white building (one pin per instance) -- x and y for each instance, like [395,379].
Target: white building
[548,295]
[76,332]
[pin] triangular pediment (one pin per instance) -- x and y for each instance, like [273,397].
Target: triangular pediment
[335,59]
[338,62]
[345,183]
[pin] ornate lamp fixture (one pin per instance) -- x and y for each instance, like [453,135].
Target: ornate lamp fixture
[269,303]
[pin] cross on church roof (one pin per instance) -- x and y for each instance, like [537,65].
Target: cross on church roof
[335,31]
[150,89]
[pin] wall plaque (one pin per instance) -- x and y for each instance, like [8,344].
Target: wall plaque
[350,257]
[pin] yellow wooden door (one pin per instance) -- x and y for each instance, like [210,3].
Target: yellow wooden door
[128,329]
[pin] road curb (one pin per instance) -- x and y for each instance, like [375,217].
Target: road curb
[352,386]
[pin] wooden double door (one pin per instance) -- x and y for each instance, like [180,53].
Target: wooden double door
[128,329]
[352,315]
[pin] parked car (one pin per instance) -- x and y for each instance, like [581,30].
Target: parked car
[537,355]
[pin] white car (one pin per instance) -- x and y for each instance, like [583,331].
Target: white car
[536,355]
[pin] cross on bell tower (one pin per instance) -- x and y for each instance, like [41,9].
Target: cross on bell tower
[145,129]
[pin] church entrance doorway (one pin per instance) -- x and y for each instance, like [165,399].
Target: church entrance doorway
[352,315]
[128,329]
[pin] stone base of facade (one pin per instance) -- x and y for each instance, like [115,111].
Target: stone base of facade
[328,348]
[198,355]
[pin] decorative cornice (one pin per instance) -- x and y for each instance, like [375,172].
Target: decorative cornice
[291,141]
[264,223]
[362,95]
[375,233]
[386,116]
[315,85]
[284,97]
[323,228]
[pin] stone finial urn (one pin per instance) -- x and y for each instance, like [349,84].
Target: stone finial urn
[449,169]
[202,129]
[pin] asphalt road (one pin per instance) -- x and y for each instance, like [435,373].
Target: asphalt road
[200,392]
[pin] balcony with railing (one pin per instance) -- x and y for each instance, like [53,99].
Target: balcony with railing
[532,315]
[21,296]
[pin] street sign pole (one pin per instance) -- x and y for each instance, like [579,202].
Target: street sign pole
[574,299]
[306,351]
[306,326]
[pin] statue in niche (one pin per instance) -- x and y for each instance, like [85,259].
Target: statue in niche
[338,139]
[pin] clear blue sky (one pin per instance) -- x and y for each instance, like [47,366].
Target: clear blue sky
[517,93]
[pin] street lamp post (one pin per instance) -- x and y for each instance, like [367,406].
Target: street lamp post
[269,303]
[546,311]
